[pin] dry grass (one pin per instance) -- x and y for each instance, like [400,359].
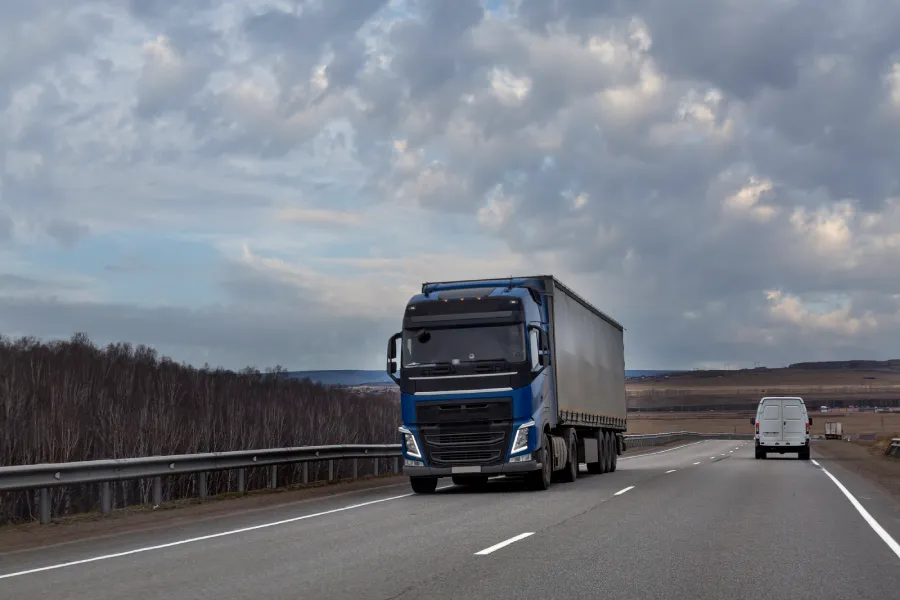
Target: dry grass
[851,423]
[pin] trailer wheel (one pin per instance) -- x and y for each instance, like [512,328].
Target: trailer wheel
[607,459]
[570,472]
[597,467]
[541,480]
[423,485]
[613,454]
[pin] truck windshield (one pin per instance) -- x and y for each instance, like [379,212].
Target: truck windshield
[464,344]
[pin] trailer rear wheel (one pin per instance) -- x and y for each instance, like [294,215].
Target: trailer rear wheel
[596,468]
[570,471]
[613,452]
[423,485]
[540,480]
[607,455]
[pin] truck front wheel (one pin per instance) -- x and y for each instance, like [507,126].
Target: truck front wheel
[540,480]
[423,485]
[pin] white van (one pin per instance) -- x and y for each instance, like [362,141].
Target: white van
[782,425]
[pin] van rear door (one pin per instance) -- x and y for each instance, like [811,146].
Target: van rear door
[794,426]
[770,425]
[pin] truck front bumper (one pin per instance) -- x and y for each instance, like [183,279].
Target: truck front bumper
[504,469]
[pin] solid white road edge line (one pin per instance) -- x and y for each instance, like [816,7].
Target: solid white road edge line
[669,471]
[814,462]
[875,525]
[661,451]
[620,492]
[204,537]
[503,544]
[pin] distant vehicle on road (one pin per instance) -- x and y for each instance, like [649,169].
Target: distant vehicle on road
[833,430]
[517,376]
[782,425]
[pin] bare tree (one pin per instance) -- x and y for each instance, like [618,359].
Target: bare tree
[67,401]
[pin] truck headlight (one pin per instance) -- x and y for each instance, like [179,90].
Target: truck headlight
[520,443]
[409,441]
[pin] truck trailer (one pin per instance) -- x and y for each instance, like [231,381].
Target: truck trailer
[833,430]
[515,377]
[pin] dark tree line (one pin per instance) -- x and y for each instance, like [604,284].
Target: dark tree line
[70,401]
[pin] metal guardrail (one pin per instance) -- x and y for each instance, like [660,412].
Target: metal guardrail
[894,448]
[49,475]
[46,476]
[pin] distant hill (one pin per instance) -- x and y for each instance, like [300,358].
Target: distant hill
[374,378]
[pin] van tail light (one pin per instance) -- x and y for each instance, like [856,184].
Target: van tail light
[807,428]
[757,429]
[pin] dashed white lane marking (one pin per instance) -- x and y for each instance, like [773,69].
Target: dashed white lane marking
[875,525]
[697,463]
[205,537]
[814,462]
[712,458]
[620,492]
[669,471]
[504,543]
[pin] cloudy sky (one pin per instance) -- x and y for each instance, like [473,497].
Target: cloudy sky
[267,182]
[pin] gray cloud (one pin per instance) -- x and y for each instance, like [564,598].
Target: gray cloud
[719,175]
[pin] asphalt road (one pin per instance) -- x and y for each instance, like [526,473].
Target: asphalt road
[704,520]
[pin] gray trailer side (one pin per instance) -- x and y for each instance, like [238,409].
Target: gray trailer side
[588,355]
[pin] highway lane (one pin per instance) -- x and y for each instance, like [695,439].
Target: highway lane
[690,515]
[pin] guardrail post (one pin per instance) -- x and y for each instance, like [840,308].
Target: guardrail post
[396,465]
[355,468]
[157,491]
[376,466]
[105,499]
[330,469]
[304,477]
[45,505]
[273,476]
[242,480]
[201,485]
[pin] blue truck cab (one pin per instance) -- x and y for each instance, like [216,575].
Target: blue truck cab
[478,388]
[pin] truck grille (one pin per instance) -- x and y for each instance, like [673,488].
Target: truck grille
[465,432]
[464,439]
[464,457]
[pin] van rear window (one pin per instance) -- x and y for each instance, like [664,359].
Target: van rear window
[792,412]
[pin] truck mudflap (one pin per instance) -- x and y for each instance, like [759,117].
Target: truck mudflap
[504,469]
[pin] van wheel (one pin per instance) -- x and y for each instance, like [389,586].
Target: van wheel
[423,485]
[760,454]
[803,454]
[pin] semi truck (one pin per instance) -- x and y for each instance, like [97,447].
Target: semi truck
[517,377]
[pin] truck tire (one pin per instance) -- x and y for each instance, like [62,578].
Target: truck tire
[804,454]
[570,471]
[541,479]
[597,467]
[423,485]
[607,459]
[470,480]
[613,452]
[759,454]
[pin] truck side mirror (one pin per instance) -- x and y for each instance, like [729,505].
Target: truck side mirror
[392,357]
